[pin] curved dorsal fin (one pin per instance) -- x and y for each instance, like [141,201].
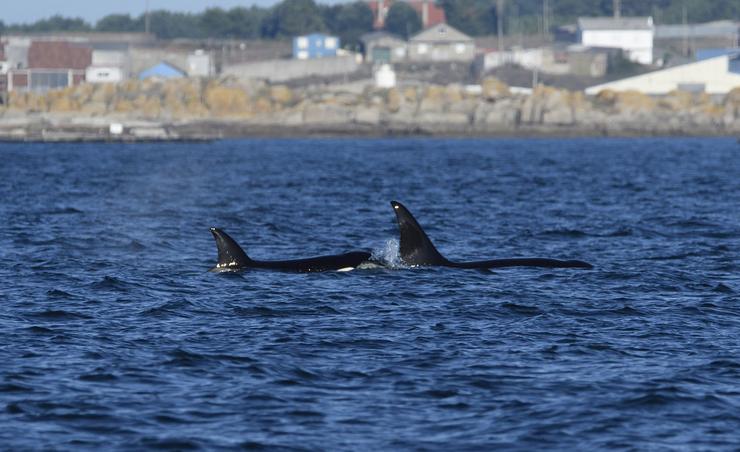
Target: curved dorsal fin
[415,246]
[230,254]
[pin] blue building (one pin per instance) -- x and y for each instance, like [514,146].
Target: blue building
[316,45]
[162,70]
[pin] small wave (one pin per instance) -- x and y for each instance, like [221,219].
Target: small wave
[135,245]
[721,288]
[111,283]
[56,293]
[98,377]
[51,314]
[181,357]
[169,444]
[62,211]
[522,309]
[40,330]
[622,232]
[169,308]
[565,233]
[11,387]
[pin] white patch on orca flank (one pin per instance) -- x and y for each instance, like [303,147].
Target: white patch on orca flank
[345,269]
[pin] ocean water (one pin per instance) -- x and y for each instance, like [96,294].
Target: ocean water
[115,336]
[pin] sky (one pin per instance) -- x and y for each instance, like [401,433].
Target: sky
[92,10]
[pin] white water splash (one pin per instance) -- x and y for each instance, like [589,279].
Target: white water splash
[388,254]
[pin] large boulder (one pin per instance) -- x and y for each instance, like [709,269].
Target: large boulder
[226,101]
[281,95]
[493,89]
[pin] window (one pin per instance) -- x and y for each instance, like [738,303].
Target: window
[459,48]
[422,49]
[302,55]
[330,43]
[302,42]
[49,80]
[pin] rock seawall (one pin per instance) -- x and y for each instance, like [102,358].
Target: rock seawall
[191,108]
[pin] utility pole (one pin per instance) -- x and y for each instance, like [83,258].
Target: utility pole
[546,19]
[147,23]
[500,24]
[685,29]
[617,9]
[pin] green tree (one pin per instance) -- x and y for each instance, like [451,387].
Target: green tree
[474,17]
[402,20]
[169,25]
[216,23]
[292,18]
[352,21]
[119,23]
[245,23]
[56,23]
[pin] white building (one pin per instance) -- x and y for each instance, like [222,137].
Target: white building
[199,64]
[634,35]
[717,75]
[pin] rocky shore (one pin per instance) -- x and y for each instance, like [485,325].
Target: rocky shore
[190,109]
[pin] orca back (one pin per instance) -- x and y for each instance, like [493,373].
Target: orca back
[415,247]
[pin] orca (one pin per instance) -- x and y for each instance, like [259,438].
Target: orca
[231,257]
[416,249]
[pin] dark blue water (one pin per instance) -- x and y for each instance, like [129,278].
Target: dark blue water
[113,335]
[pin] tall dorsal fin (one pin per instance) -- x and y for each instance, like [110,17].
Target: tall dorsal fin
[230,254]
[415,246]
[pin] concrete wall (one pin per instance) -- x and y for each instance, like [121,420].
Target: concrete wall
[713,74]
[283,70]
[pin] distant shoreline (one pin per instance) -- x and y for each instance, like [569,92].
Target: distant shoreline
[209,131]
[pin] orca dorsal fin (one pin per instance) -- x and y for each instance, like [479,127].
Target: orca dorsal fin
[230,255]
[415,247]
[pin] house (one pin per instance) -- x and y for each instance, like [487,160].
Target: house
[48,65]
[430,13]
[316,45]
[634,35]
[441,42]
[162,70]
[717,75]
[383,47]
[199,64]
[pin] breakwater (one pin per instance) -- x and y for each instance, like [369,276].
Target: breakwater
[202,109]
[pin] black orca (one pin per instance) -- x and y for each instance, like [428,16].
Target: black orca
[417,249]
[231,257]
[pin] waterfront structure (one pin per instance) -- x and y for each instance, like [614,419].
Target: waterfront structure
[383,47]
[718,75]
[441,42]
[315,45]
[293,69]
[162,70]
[199,64]
[44,65]
[634,35]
